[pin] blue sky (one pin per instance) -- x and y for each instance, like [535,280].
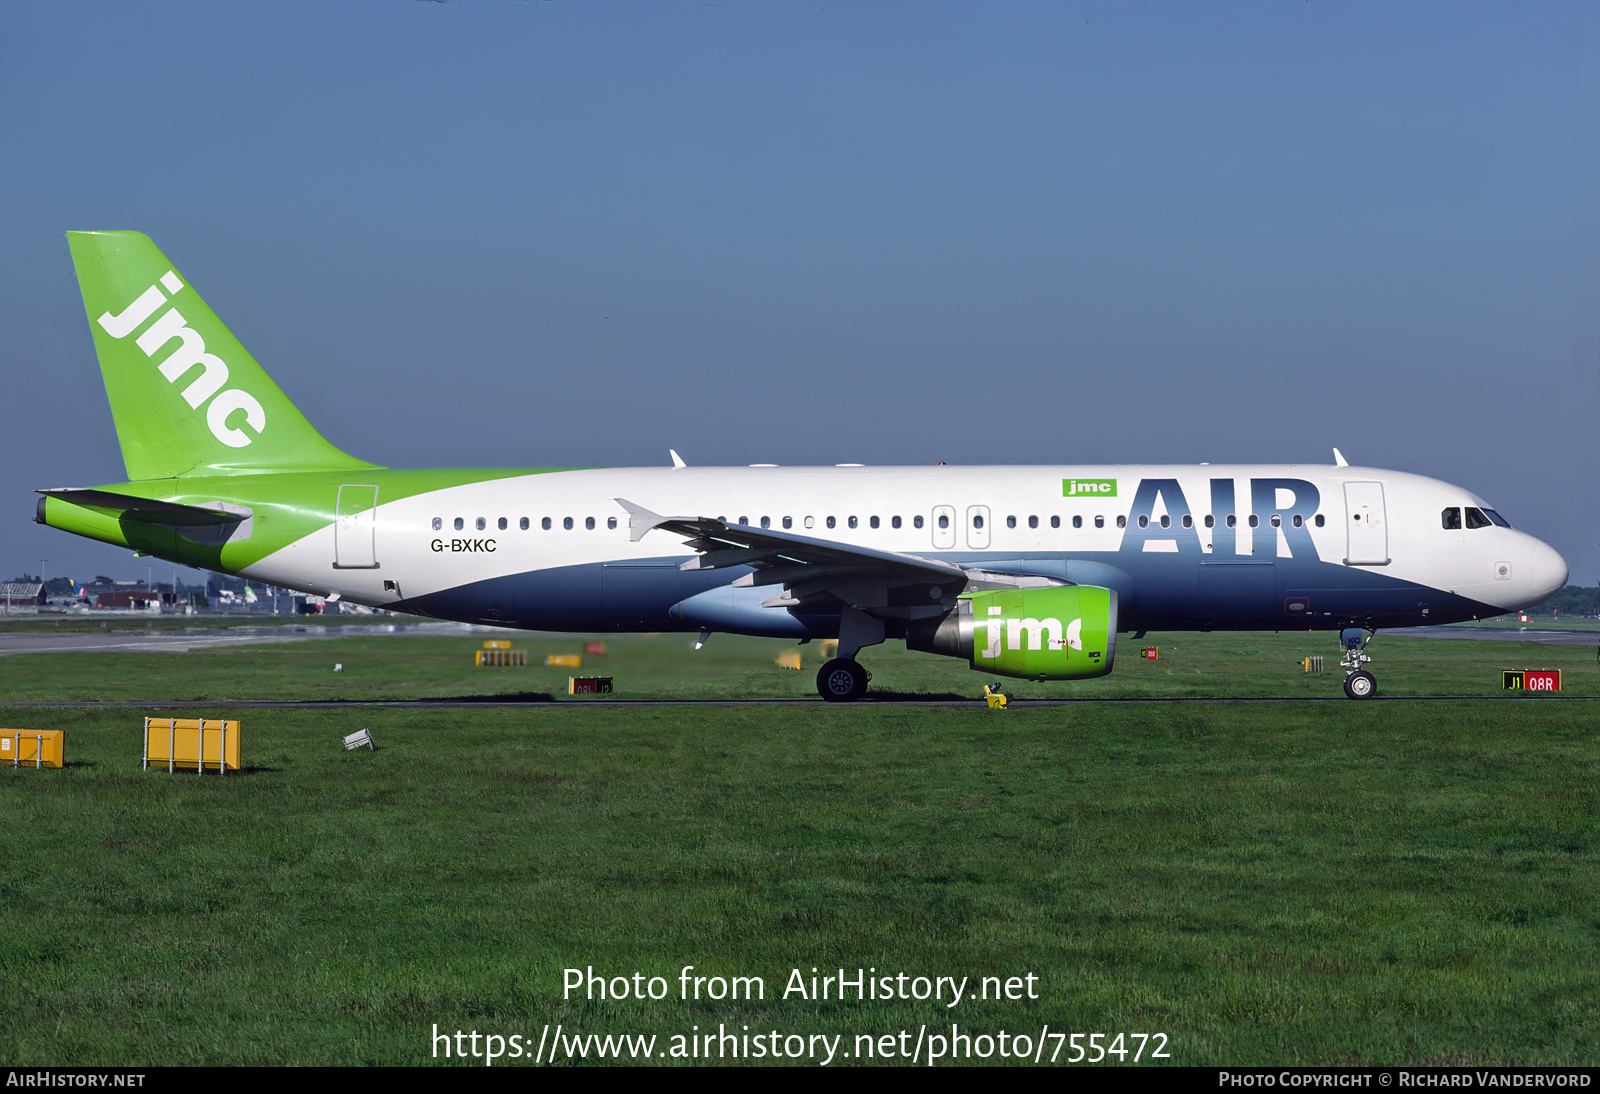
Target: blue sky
[503,232]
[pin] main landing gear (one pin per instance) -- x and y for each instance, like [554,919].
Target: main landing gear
[842,680]
[1358,682]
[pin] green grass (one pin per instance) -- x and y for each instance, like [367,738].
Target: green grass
[666,666]
[1266,884]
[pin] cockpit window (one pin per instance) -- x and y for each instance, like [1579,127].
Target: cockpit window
[1497,518]
[1476,519]
[1450,519]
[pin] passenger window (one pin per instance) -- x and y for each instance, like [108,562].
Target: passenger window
[788,522]
[502,524]
[1099,522]
[1255,521]
[1233,521]
[1188,521]
[1077,522]
[1450,519]
[894,522]
[831,522]
[611,522]
[1144,522]
[944,520]
[1476,519]
[523,523]
[460,523]
[1166,522]
[1122,522]
[1320,520]
[766,522]
[1299,520]
[811,522]
[744,520]
[567,523]
[478,524]
[545,524]
[1211,521]
[438,523]
[852,522]
[1277,521]
[916,521]
[1033,522]
[977,522]
[588,524]
[1011,522]
[873,522]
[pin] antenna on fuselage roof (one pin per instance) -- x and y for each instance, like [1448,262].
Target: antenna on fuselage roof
[1339,460]
[677,460]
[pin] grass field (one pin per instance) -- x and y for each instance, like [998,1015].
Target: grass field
[1273,883]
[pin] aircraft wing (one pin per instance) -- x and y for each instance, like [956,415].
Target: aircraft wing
[801,563]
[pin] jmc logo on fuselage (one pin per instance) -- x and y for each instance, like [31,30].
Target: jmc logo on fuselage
[1099,488]
[191,351]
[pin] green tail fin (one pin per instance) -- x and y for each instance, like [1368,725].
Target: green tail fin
[186,396]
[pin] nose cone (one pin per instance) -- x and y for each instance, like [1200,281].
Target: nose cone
[1526,571]
[1547,569]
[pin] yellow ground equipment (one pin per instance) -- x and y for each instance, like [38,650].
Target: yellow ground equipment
[205,744]
[995,697]
[32,747]
[788,659]
[499,656]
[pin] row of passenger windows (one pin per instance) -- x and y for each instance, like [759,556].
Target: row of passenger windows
[481,524]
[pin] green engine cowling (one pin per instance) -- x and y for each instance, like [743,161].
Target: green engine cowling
[1066,632]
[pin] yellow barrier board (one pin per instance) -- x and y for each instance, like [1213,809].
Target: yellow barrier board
[788,659]
[564,660]
[207,744]
[32,747]
[497,644]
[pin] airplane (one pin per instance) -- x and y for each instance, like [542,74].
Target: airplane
[1027,572]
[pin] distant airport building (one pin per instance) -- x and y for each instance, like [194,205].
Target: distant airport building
[22,595]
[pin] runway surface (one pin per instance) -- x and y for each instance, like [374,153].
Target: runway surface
[1498,634]
[204,638]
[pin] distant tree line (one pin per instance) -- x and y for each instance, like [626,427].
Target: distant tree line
[1574,600]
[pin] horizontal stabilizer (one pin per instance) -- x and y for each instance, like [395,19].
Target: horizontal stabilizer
[145,509]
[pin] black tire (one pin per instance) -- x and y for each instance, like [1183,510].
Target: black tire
[1360,685]
[842,681]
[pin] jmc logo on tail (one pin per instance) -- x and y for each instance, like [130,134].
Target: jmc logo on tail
[191,351]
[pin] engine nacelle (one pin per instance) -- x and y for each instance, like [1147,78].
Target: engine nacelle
[1066,632]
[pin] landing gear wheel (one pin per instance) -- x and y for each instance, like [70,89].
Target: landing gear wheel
[842,681]
[1360,685]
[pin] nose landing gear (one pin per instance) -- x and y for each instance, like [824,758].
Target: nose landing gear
[1358,682]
